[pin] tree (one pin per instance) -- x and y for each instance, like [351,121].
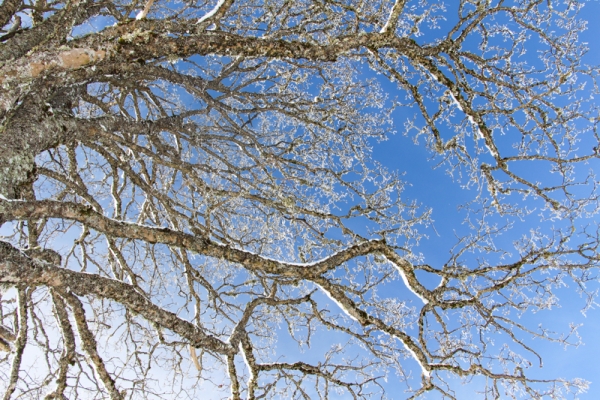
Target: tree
[187,185]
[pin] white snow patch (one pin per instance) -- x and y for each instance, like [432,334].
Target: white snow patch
[142,14]
[211,12]
[389,20]
[405,280]
[246,362]
[340,305]
[472,121]
[295,264]
[414,355]
[492,151]
[456,102]
[480,136]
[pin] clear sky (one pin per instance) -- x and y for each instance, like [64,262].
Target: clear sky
[435,189]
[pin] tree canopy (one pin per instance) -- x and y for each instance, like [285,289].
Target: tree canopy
[190,204]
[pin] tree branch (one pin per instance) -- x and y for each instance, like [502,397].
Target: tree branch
[17,269]
[21,340]
[89,344]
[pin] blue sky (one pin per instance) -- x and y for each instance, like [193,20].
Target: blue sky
[434,188]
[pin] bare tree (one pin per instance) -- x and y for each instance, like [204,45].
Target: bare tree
[186,186]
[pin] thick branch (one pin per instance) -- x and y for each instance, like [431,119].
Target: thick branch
[72,15]
[144,40]
[16,268]
[19,210]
